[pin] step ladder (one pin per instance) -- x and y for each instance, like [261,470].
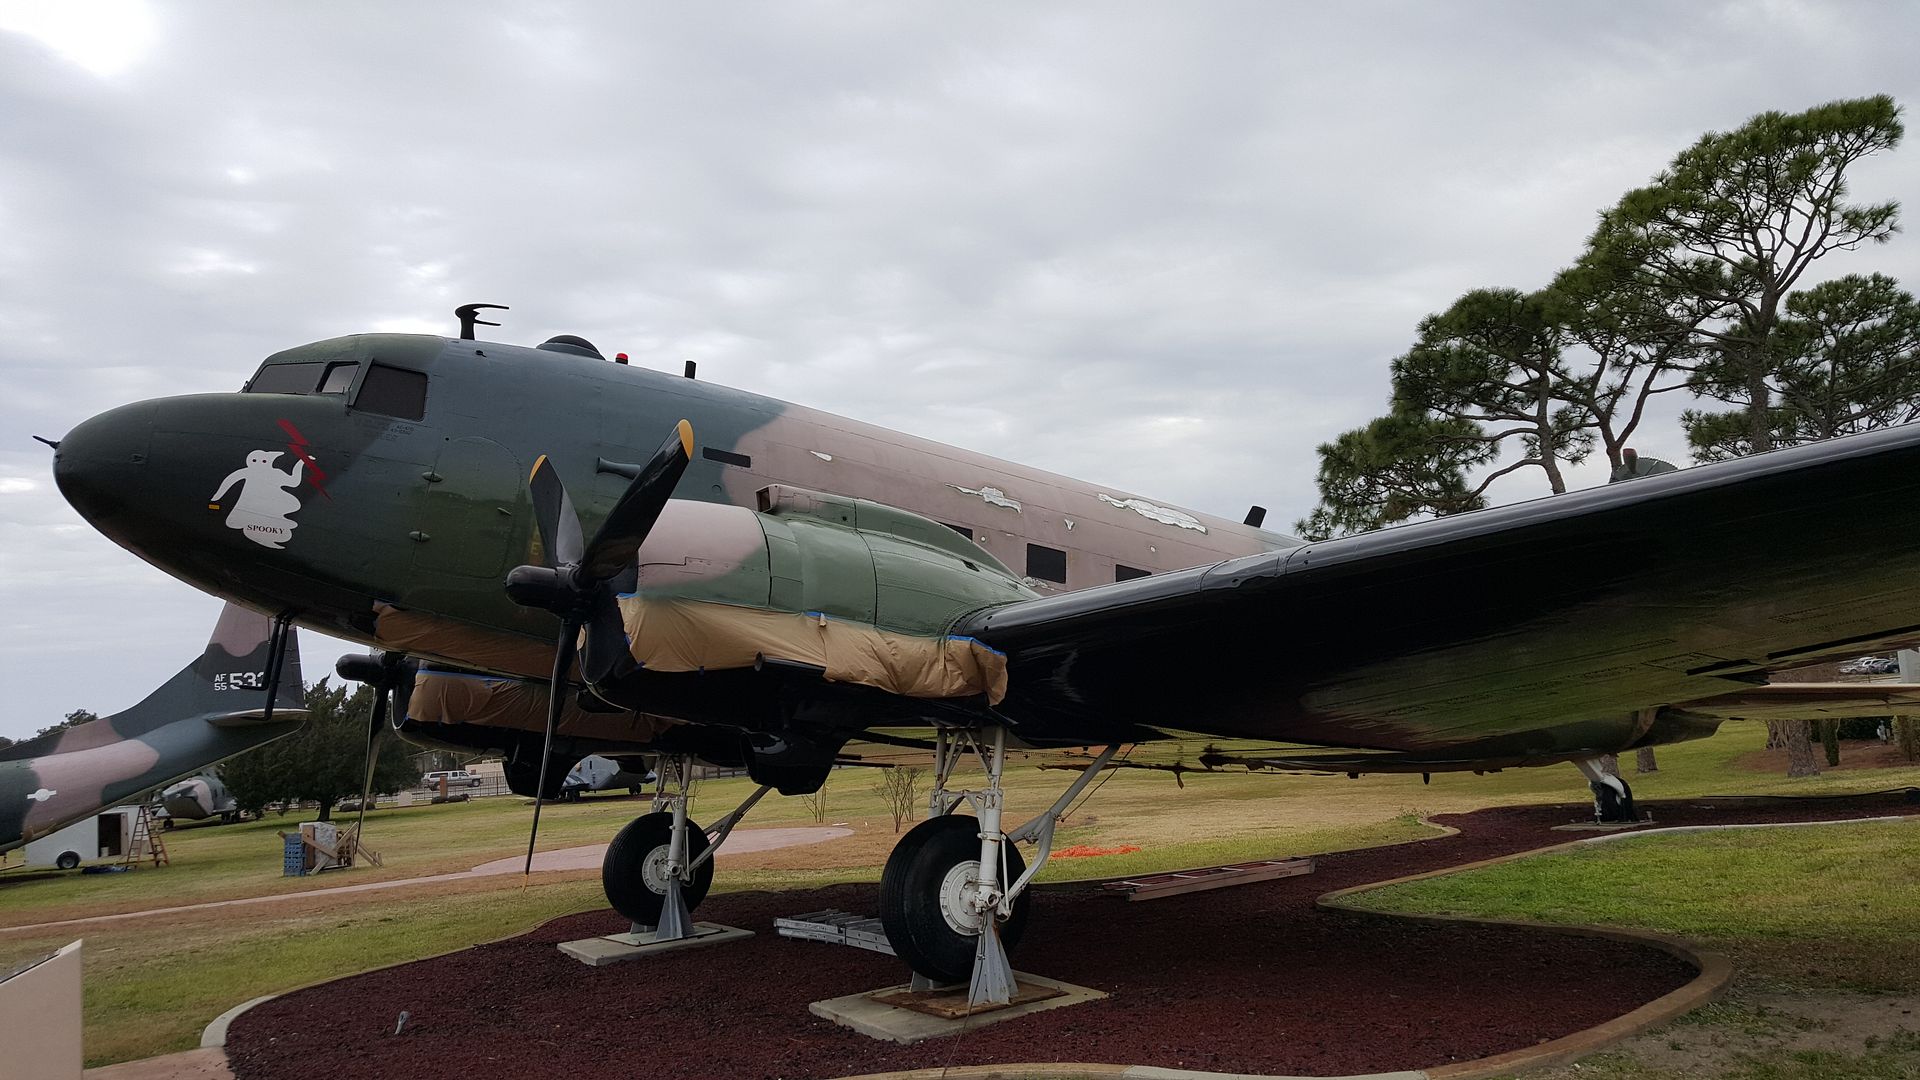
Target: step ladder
[836,927]
[146,843]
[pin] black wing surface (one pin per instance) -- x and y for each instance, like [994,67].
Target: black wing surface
[1531,632]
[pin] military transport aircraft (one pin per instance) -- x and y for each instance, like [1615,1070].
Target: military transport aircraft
[770,582]
[214,708]
[200,797]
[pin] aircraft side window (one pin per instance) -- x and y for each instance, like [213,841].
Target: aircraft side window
[1047,564]
[339,377]
[961,529]
[1122,572]
[393,392]
[287,379]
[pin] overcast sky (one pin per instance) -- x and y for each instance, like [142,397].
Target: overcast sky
[1171,248]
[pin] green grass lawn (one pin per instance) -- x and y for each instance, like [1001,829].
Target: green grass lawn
[1808,915]
[1822,906]
[151,984]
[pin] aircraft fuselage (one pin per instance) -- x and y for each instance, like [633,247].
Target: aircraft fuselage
[400,492]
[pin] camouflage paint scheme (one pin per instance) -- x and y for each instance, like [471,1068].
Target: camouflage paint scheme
[1522,635]
[208,712]
[406,528]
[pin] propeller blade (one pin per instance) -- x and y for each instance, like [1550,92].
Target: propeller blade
[556,700]
[553,512]
[607,654]
[617,542]
[382,693]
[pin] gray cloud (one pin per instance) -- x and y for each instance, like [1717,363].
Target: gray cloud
[1169,248]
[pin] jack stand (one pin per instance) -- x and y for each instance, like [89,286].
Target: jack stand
[993,982]
[674,923]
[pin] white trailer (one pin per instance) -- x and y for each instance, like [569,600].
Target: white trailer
[106,835]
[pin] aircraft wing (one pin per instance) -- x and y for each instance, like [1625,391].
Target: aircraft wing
[1529,632]
[1810,701]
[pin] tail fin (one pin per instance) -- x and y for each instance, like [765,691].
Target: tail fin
[226,685]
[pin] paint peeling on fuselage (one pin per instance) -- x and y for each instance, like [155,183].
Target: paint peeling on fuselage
[1161,514]
[993,496]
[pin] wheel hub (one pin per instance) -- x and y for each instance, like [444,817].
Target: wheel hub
[653,869]
[957,891]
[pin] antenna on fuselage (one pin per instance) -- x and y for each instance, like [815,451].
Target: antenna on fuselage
[1256,516]
[469,316]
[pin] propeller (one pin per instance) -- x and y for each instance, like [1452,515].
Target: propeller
[384,671]
[582,580]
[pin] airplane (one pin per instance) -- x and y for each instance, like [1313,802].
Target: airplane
[595,773]
[232,698]
[198,798]
[764,582]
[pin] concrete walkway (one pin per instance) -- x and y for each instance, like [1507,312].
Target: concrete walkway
[207,1063]
[742,842]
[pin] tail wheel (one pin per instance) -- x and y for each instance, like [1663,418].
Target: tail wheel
[922,894]
[1613,806]
[634,873]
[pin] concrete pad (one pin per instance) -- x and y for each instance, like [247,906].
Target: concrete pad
[615,948]
[872,1016]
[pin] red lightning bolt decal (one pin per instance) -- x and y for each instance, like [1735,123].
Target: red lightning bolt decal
[315,475]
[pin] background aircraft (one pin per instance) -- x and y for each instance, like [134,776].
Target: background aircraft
[198,798]
[214,708]
[595,773]
[792,580]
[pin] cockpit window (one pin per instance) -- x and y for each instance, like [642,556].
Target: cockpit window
[320,377]
[339,377]
[393,392]
[287,379]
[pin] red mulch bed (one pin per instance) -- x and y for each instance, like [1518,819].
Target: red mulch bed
[1253,978]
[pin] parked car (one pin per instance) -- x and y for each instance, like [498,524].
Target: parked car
[454,778]
[1870,665]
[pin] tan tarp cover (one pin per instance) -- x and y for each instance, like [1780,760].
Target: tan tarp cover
[431,635]
[441,698]
[689,635]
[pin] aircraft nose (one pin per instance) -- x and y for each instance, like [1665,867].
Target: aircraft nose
[100,466]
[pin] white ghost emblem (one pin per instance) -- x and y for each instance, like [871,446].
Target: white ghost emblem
[260,512]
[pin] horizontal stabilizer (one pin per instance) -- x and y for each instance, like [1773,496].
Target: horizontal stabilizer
[250,717]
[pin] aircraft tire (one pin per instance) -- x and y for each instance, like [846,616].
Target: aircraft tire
[914,888]
[67,860]
[1611,806]
[624,873]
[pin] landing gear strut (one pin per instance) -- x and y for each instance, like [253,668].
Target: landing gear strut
[953,895]
[1612,798]
[659,867]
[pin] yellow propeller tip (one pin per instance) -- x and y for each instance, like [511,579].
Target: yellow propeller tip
[686,438]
